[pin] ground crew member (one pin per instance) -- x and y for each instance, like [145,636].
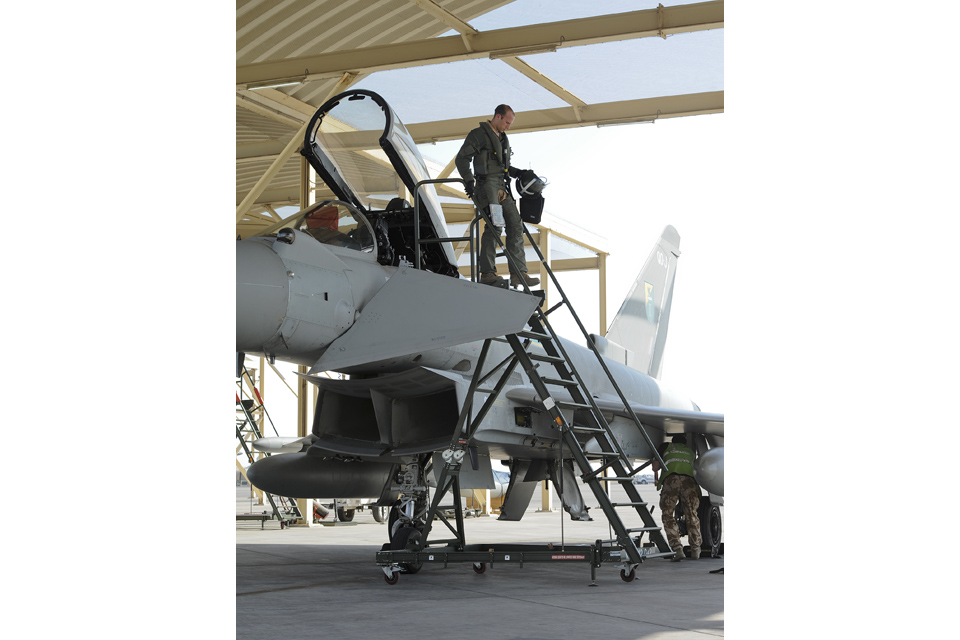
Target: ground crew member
[489,184]
[677,484]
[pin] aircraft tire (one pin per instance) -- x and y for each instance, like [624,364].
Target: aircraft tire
[401,541]
[345,515]
[711,525]
[378,513]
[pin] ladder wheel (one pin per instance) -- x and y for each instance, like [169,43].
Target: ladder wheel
[479,567]
[392,579]
[628,577]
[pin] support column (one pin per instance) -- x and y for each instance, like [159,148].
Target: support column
[602,260]
[544,278]
[546,497]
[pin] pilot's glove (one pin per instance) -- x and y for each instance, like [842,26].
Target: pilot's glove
[468,187]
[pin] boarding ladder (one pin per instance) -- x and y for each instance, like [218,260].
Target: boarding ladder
[249,409]
[565,391]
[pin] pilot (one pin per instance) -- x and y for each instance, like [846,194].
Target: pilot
[324,225]
[489,150]
[677,484]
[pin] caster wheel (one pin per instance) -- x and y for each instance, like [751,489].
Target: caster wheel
[628,577]
[392,579]
[479,567]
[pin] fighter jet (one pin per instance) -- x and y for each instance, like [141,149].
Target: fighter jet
[341,286]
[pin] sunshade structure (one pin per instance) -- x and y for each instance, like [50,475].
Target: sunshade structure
[443,65]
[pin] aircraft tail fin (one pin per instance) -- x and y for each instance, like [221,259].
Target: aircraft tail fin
[638,333]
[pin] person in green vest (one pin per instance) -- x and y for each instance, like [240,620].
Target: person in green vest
[488,148]
[677,484]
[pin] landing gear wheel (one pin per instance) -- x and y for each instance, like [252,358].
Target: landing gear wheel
[392,578]
[406,538]
[379,513]
[479,567]
[711,527]
[345,515]
[628,577]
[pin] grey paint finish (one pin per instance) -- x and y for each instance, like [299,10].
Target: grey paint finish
[418,310]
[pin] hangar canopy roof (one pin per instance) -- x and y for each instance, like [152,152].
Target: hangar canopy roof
[444,64]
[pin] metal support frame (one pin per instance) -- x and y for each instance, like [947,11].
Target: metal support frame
[626,547]
[284,509]
[472,238]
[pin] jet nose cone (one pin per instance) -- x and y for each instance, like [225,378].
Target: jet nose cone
[262,294]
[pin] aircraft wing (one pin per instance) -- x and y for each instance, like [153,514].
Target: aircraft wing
[670,420]
[416,311]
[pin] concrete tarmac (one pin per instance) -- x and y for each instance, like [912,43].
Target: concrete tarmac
[306,582]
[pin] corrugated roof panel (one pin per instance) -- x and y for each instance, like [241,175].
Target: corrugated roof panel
[286,183]
[252,127]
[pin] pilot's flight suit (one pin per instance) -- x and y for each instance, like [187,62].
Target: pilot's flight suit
[490,154]
[677,484]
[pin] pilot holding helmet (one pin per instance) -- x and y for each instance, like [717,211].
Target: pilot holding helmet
[489,150]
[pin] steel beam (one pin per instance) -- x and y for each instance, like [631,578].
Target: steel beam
[496,43]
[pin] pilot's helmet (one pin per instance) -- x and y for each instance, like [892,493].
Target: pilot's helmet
[529,183]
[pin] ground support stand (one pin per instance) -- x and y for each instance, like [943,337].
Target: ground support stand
[488,555]
[566,391]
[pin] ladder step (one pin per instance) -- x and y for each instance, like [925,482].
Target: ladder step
[643,529]
[659,554]
[587,429]
[603,455]
[628,504]
[617,478]
[573,405]
[557,381]
[542,337]
[551,359]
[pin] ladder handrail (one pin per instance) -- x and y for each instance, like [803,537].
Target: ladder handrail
[417,240]
[591,346]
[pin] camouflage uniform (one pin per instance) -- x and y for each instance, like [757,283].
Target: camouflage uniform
[677,484]
[684,489]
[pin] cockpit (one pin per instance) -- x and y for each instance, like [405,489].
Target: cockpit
[332,222]
[370,164]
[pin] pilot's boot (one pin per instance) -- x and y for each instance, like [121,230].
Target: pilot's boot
[516,278]
[490,278]
[694,553]
[678,555]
